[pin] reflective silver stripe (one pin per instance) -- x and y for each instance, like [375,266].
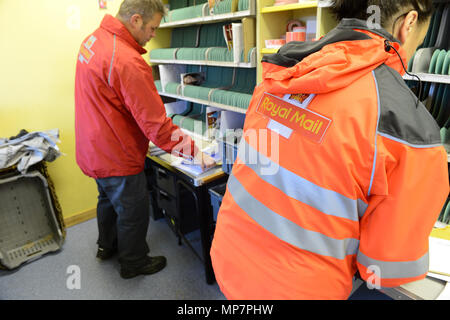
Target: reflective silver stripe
[287,230]
[375,153]
[396,270]
[112,59]
[326,201]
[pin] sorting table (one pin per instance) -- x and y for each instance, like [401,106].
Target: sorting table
[182,182]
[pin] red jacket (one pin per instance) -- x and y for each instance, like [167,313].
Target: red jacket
[117,107]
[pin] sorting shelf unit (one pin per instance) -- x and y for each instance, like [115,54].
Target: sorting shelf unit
[227,89]
[271,22]
[203,57]
[181,57]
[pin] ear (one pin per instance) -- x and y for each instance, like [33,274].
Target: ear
[136,21]
[408,25]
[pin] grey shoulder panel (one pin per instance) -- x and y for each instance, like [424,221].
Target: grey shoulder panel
[399,117]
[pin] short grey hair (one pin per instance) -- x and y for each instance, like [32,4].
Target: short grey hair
[145,8]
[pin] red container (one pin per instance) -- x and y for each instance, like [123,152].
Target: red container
[295,36]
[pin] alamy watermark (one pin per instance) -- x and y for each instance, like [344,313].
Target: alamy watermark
[374,20]
[73,21]
[374,280]
[73,281]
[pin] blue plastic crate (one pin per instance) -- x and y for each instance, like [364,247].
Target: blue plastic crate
[216,194]
[228,146]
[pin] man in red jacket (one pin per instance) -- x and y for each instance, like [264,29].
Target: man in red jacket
[117,112]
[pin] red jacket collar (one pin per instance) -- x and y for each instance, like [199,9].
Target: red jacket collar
[114,26]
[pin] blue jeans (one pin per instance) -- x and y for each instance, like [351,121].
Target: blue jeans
[123,216]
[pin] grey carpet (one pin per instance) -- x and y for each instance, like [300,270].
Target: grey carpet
[46,278]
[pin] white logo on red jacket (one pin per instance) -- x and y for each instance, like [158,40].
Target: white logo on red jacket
[85,51]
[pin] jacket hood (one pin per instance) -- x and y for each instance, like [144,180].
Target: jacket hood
[342,56]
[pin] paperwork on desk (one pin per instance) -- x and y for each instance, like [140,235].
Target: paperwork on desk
[195,169]
[154,150]
[439,241]
[188,166]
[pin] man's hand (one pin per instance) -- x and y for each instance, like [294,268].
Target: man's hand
[204,160]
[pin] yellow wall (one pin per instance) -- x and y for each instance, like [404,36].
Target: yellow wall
[39,42]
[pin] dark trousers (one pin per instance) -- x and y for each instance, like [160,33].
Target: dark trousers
[123,217]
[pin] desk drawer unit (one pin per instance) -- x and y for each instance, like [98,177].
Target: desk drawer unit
[165,180]
[184,219]
[155,213]
[166,202]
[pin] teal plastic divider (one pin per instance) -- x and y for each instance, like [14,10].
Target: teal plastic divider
[193,120]
[189,36]
[158,85]
[222,7]
[243,5]
[240,94]
[181,38]
[176,4]
[163,54]
[186,13]
[172,87]
[220,54]
[215,77]
[211,35]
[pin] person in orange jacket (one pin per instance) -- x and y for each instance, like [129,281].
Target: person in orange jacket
[340,169]
[117,112]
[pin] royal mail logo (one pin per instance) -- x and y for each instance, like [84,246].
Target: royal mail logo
[303,121]
[85,51]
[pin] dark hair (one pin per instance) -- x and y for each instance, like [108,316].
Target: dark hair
[389,8]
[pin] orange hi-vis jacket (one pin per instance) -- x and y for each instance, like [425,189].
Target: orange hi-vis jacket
[337,172]
[117,107]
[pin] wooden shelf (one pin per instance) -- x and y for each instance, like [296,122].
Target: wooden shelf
[427,77]
[269,50]
[289,7]
[204,102]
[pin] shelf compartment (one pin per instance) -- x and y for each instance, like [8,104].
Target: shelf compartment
[290,7]
[205,63]
[207,18]
[204,102]
[251,64]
